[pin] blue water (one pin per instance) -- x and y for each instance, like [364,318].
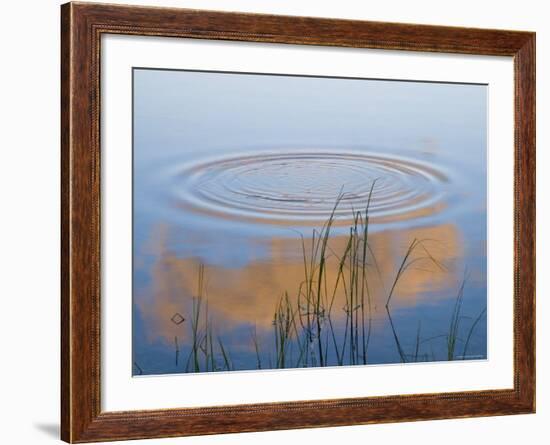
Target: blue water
[232,170]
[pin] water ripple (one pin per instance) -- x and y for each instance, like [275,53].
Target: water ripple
[302,187]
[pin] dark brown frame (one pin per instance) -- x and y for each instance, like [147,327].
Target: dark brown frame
[82,25]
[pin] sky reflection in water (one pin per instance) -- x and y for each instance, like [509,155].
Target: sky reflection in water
[230,170]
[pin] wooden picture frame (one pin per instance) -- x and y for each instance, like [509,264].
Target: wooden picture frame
[82,25]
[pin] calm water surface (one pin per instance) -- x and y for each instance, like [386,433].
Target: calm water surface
[234,177]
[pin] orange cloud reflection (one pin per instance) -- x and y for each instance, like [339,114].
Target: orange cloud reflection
[249,294]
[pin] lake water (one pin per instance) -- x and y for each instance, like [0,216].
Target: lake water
[235,178]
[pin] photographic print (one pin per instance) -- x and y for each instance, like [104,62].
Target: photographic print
[275,222]
[288,221]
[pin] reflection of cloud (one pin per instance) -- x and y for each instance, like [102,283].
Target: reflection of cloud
[248,294]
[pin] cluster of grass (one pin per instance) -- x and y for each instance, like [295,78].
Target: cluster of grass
[205,348]
[315,300]
[304,333]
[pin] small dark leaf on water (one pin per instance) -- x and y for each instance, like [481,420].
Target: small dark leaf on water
[177,318]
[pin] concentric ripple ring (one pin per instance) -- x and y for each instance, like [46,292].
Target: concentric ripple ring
[303,187]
